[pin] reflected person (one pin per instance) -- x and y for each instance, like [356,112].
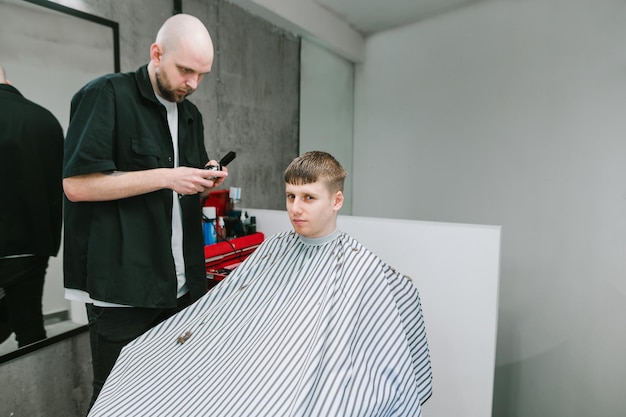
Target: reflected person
[31,160]
[133,178]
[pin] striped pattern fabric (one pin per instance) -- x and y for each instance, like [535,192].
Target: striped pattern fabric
[304,327]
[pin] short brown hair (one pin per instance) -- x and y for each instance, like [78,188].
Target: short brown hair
[313,166]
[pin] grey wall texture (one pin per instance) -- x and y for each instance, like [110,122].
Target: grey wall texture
[250,101]
[250,104]
[50,382]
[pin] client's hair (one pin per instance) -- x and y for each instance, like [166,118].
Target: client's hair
[313,166]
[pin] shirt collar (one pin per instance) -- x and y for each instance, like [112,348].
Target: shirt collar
[316,241]
[10,89]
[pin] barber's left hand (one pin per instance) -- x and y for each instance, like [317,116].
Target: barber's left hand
[216,179]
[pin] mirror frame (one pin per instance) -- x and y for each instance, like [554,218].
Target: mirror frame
[114,26]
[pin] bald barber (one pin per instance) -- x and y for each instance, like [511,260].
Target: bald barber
[133,179]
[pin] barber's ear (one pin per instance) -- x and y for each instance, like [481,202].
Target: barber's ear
[155,54]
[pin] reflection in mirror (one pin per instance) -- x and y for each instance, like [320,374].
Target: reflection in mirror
[49,52]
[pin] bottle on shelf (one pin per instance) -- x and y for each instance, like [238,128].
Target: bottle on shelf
[221,229]
[208,225]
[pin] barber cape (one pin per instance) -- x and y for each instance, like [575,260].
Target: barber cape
[304,327]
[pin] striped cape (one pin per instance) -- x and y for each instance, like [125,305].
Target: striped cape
[303,327]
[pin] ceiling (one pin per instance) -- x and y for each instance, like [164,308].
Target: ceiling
[370,16]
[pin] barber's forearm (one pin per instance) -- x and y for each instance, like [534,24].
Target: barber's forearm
[113,186]
[118,185]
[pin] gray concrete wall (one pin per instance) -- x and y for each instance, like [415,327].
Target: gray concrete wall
[250,101]
[53,381]
[250,104]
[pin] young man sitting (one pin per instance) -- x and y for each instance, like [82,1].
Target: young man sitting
[311,324]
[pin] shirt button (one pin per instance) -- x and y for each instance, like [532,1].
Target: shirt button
[169,159]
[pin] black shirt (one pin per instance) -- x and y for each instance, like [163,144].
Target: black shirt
[31,160]
[120,251]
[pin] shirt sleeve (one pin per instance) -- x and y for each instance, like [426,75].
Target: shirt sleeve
[90,140]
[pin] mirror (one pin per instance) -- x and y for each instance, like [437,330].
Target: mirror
[49,52]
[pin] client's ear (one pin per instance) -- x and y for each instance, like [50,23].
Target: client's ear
[338,200]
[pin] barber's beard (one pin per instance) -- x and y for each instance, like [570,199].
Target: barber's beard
[167,92]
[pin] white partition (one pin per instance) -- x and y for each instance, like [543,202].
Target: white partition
[456,269]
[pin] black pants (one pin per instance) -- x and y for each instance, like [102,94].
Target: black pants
[112,328]
[22,280]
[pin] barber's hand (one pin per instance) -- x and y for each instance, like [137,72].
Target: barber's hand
[189,181]
[217,180]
